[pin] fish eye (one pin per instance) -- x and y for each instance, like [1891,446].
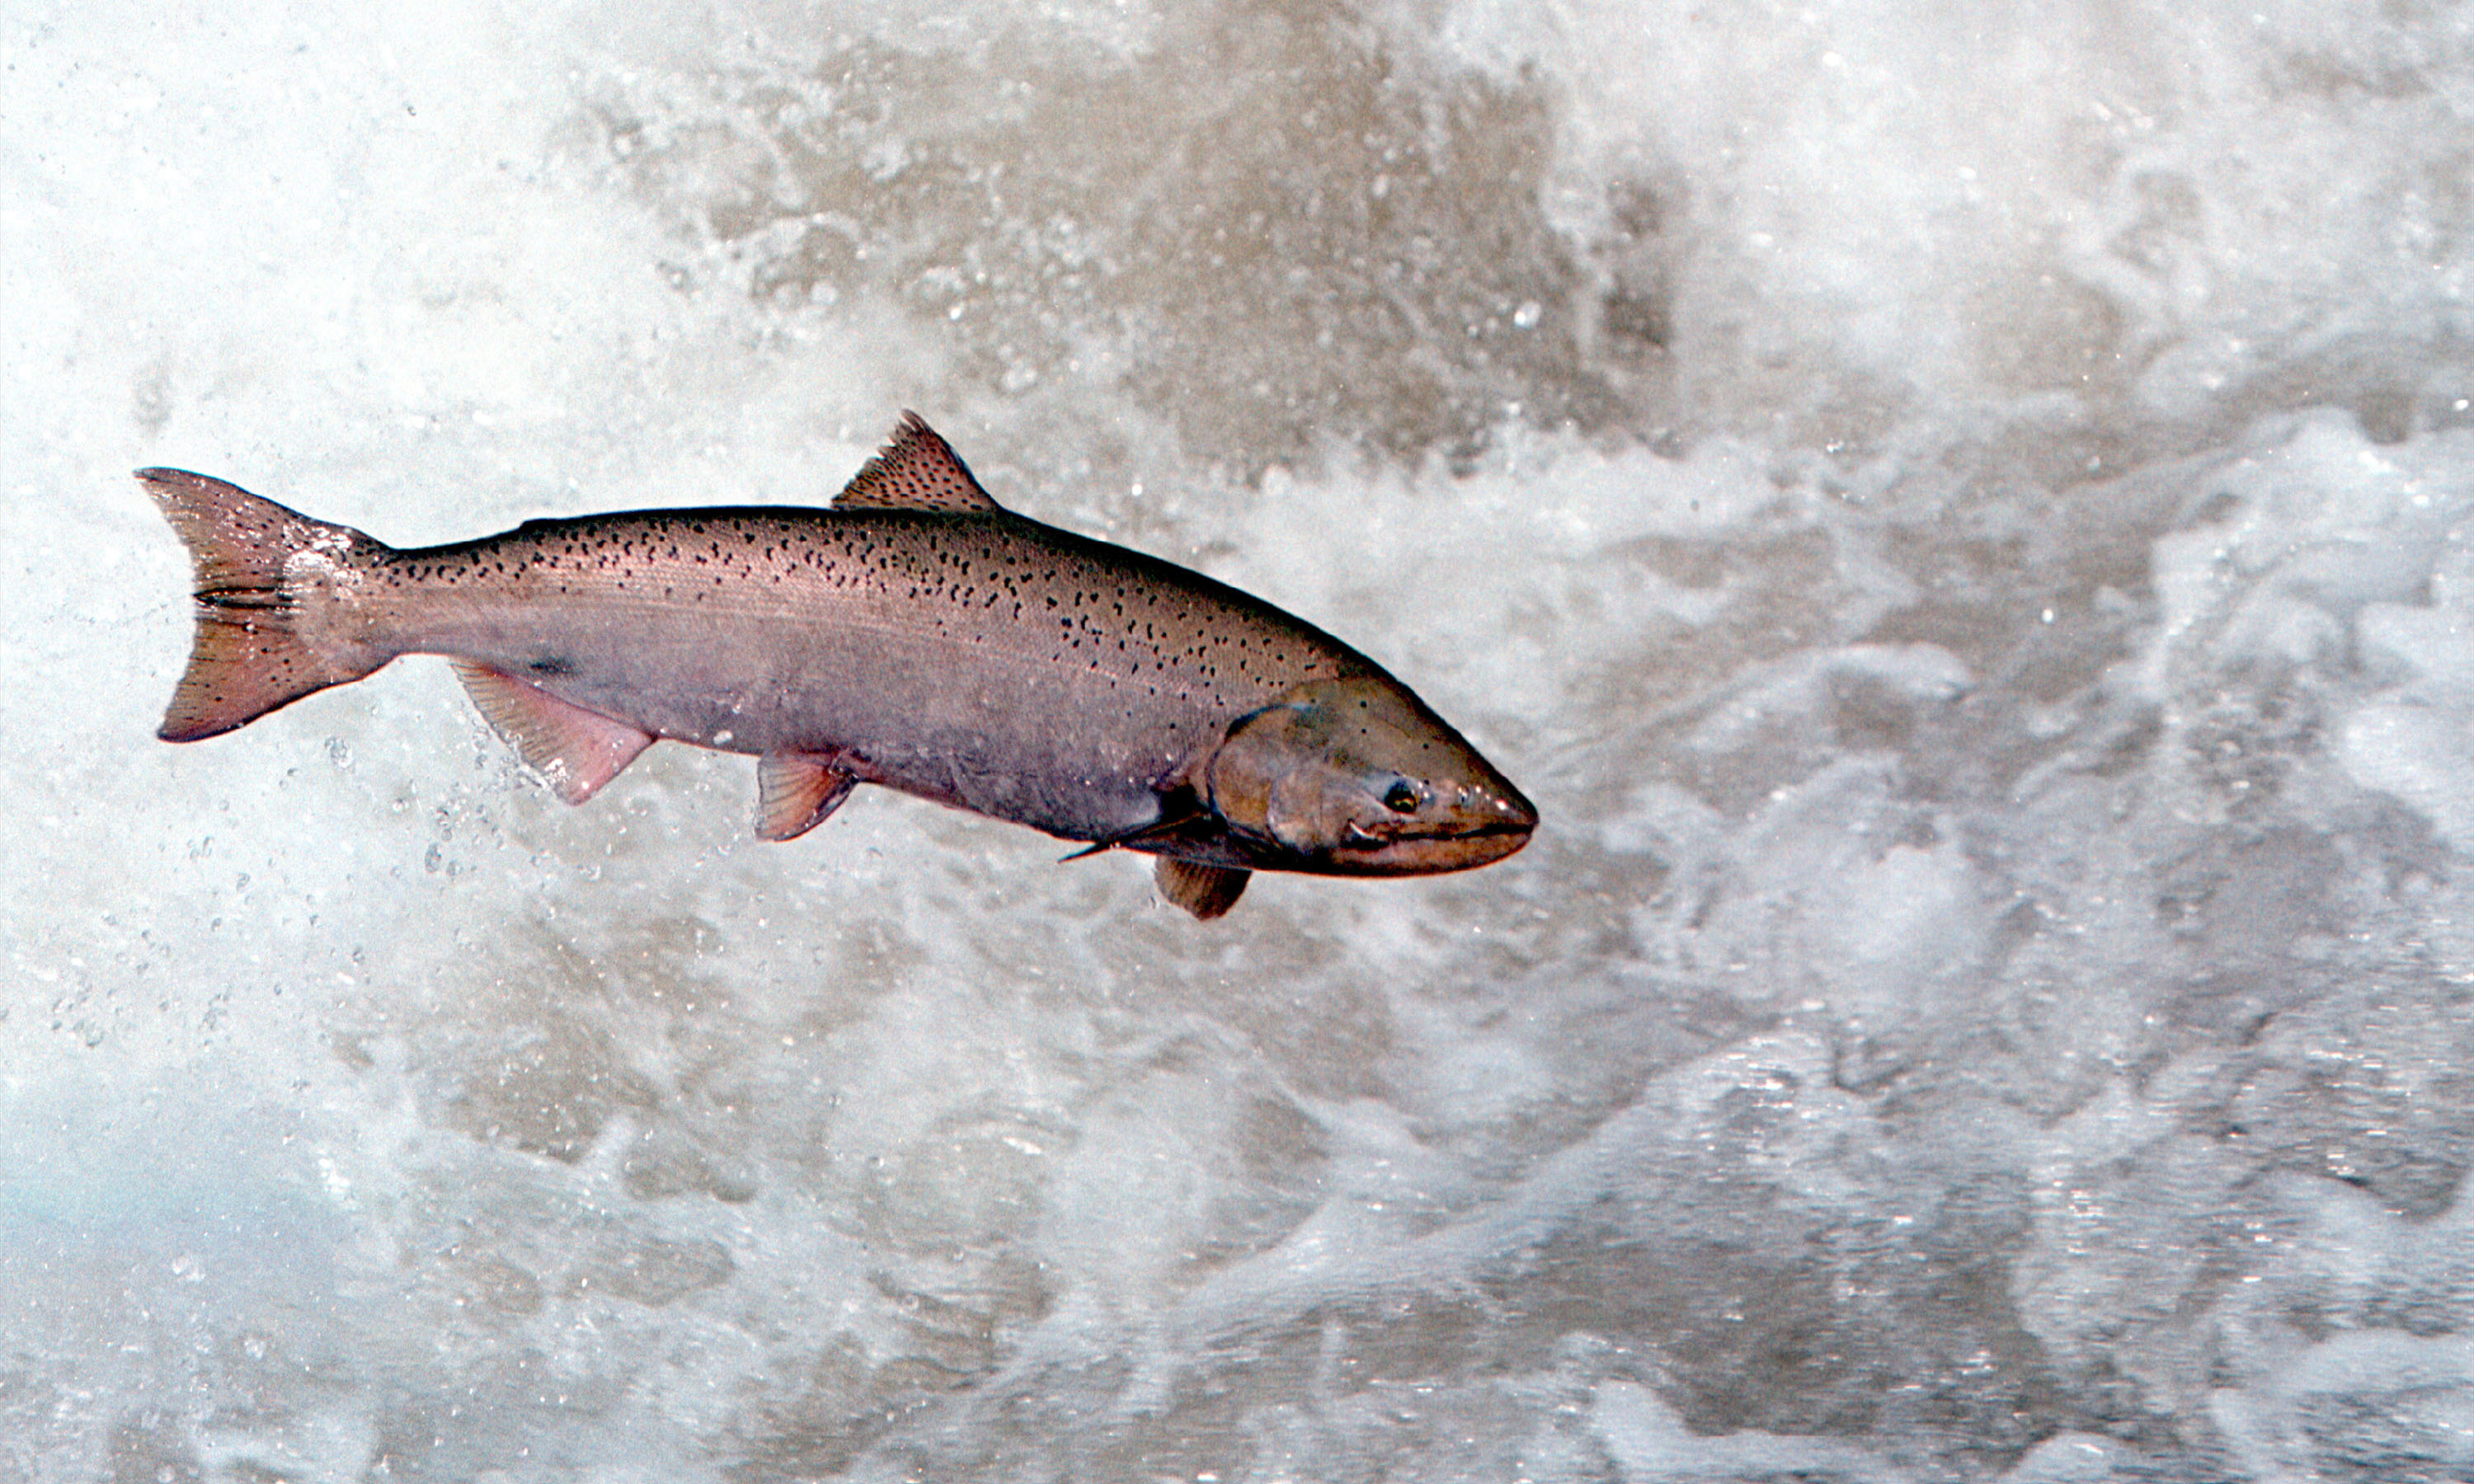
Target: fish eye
[1401,798]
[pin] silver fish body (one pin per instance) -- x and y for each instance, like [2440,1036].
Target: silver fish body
[915,635]
[985,661]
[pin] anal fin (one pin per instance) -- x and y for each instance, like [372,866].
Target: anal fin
[794,792]
[575,751]
[1205,891]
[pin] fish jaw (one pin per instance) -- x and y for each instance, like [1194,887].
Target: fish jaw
[1478,829]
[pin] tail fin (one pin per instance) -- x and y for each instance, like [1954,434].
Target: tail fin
[250,656]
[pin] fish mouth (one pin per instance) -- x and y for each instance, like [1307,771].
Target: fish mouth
[1460,844]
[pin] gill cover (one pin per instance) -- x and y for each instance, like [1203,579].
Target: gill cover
[1356,776]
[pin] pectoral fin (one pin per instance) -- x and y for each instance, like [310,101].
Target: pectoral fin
[1205,891]
[575,751]
[1177,817]
[794,792]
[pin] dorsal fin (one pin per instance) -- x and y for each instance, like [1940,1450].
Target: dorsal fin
[917,470]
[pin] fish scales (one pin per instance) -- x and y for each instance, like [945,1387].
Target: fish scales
[915,636]
[990,662]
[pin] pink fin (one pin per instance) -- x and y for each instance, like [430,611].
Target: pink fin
[575,750]
[794,792]
[1205,891]
[917,470]
[250,654]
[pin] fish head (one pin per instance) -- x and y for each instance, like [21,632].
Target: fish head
[1355,777]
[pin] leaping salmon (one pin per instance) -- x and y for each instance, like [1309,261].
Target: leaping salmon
[914,634]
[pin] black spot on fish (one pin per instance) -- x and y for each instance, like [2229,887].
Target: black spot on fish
[550,664]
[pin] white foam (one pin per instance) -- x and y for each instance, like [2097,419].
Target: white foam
[1987,1000]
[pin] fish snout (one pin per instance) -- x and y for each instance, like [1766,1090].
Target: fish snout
[1512,811]
[1494,823]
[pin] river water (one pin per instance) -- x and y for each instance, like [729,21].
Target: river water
[1961,516]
